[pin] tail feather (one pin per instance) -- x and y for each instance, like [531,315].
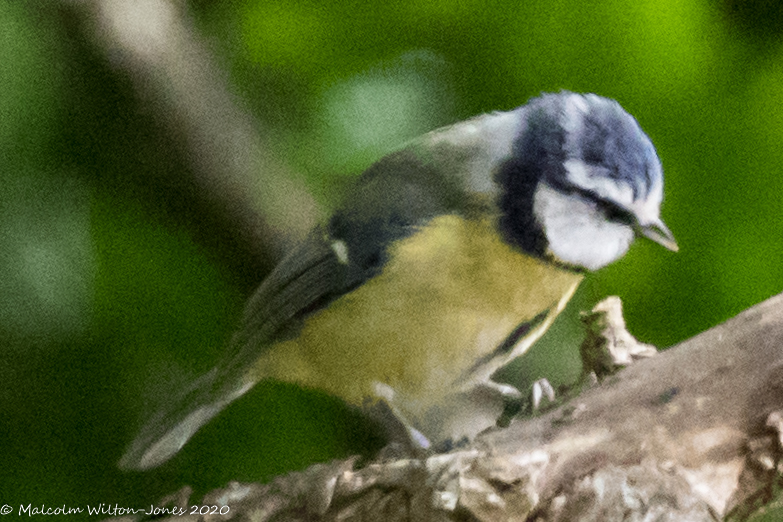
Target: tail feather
[165,434]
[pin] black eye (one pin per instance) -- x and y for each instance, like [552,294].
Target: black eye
[615,213]
[611,211]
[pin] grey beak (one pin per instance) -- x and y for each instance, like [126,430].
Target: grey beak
[659,233]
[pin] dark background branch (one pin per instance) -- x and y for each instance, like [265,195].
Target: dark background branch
[155,43]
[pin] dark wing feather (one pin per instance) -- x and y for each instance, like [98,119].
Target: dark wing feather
[392,198]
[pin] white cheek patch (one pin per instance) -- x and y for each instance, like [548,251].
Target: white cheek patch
[577,231]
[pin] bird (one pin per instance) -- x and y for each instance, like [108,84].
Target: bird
[447,259]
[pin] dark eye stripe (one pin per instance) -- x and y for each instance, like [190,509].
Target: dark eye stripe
[612,211]
[616,213]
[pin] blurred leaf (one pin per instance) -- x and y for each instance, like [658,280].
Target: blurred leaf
[47,264]
[30,78]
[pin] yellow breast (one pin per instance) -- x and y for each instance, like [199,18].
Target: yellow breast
[449,294]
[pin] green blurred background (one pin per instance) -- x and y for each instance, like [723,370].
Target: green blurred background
[115,286]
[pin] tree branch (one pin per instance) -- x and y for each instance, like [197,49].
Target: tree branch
[691,434]
[157,45]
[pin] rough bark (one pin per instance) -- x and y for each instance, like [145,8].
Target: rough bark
[693,434]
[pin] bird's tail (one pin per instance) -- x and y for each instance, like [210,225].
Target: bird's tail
[165,434]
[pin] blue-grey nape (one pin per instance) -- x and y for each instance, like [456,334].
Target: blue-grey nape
[536,153]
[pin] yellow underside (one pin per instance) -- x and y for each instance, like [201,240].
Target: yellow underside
[449,294]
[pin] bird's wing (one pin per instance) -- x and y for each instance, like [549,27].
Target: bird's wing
[393,198]
[445,171]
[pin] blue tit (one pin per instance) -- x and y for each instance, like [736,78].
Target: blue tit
[447,259]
